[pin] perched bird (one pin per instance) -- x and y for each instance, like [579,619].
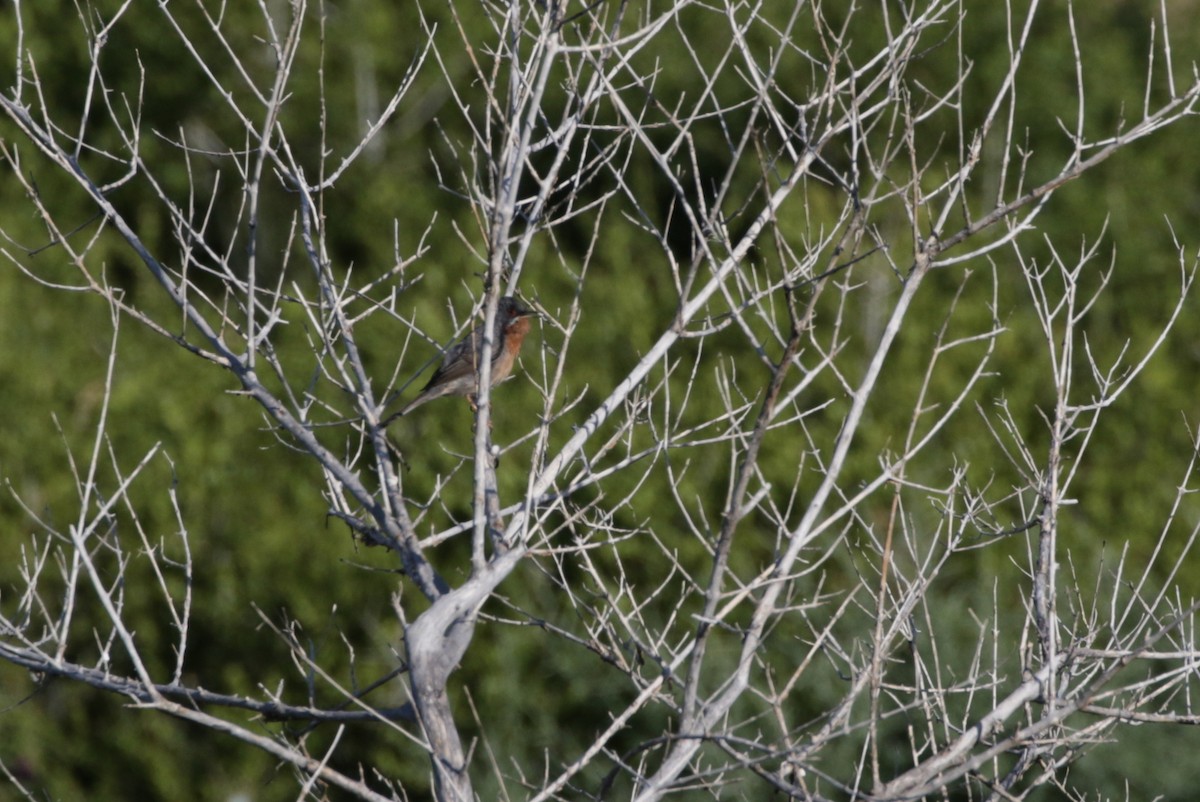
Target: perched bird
[456,376]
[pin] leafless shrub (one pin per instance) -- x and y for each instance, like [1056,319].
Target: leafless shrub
[831,208]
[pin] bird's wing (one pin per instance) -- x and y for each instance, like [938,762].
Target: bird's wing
[459,360]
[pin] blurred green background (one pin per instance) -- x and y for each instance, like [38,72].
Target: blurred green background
[253,509]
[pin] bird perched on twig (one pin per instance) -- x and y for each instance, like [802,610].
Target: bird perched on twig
[456,376]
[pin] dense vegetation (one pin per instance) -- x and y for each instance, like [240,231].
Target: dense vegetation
[274,570]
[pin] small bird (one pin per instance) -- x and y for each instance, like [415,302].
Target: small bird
[456,376]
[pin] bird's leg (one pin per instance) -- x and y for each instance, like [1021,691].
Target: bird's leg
[475,408]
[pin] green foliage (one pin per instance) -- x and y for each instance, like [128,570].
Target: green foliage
[256,522]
